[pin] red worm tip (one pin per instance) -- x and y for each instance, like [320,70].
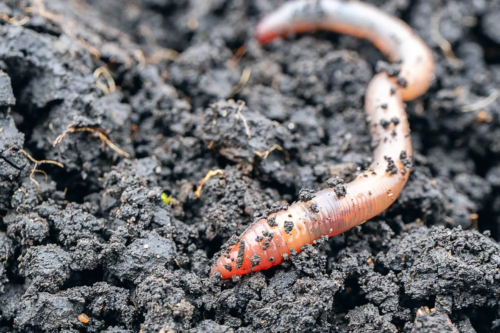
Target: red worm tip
[264,36]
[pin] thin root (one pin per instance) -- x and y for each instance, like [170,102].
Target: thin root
[111,87]
[245,76]
[91,49]
[239,115]
[141,59]
[58,18]
[43,173]
[99,132]
[14,20]
[42,12]
[209,175]
[160,53]
[37,163]
[265,155]
[482,103]
[240,52]
[442,42]
[22,151]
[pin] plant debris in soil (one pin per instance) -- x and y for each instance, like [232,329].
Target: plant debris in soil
[106,107]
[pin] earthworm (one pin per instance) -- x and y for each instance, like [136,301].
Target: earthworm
[340,207]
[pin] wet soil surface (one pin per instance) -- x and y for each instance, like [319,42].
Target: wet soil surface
[90,246]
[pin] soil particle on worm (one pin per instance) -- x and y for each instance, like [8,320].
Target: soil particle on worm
[385,123]
[340,191]
[392,168]
[255,260]
[406,161]
[314,208]
[271,221]
[306,194]
[241,255]
[333,182]
[95,237]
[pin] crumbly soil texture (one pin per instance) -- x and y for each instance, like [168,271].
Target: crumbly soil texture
[105,105]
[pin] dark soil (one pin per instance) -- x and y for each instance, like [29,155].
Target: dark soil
[91,247]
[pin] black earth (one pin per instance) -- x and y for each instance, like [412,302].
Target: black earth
[105,105]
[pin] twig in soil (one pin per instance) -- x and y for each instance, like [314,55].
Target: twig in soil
[14,20]
[99,132]
[209,175]
[37,163]
[247,129]
[442,42]
[245,76]
[482,103]
[104,71]
[264,155]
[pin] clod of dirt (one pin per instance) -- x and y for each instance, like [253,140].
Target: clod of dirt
[9,302]
[457,254]
[6,94]
[240,134]
[142,256]
[433,323]
[13,165]
[47,266]
[366,318]
[7,250]
[62,311]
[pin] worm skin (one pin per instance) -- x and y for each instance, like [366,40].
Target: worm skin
[341,207]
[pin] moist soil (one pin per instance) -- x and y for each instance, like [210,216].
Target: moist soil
[137,98]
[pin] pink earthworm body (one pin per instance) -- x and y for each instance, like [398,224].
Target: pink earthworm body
[341,207]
